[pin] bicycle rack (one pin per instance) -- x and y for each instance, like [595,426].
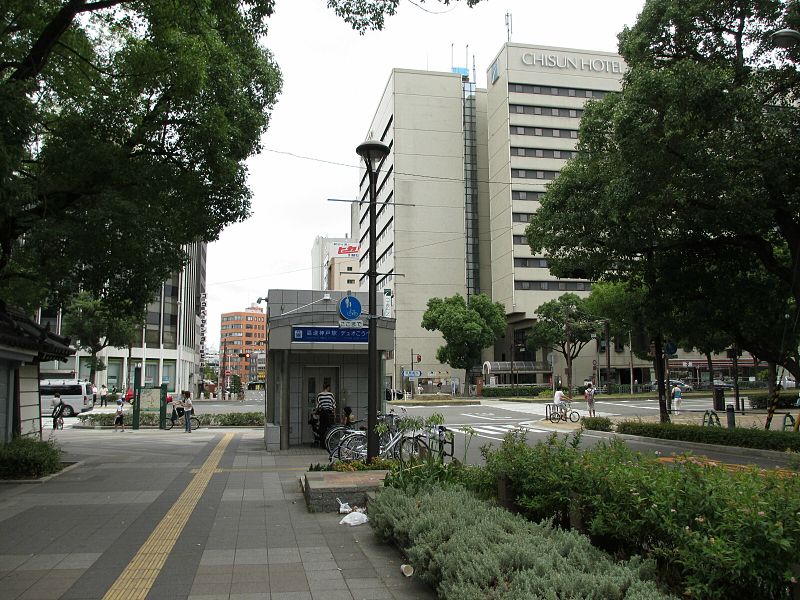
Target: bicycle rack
[790,424]
[548,410]
[712,418]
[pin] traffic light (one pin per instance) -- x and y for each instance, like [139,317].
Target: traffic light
[245,355]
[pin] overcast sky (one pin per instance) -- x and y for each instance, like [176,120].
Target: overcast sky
[332,81]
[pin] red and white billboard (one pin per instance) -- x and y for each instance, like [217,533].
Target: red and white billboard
[347,250]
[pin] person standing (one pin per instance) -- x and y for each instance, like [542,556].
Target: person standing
[590,393]
[188,410]
[103,395]
[677,399]
[326,407]
[119,415]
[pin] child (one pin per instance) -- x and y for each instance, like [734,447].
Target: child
[119,415]
[348,418]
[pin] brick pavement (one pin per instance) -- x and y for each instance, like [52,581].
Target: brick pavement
[248,537]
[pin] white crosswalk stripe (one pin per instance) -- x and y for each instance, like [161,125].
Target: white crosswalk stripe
[496,430]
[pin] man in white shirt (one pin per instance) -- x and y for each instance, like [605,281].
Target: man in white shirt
[560,399]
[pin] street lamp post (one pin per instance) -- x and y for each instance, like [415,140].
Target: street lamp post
[372,152]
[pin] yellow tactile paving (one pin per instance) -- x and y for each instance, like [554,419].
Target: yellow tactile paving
[135,581]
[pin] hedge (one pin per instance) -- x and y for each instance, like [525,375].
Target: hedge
[470,550]
[521,390]
[760,400]
[148,419]
[27,458]
[715,534]
[596,423]
[740,436]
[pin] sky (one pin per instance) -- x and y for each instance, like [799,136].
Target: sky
[333,79]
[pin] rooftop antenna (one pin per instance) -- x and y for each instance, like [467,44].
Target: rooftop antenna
[509,25]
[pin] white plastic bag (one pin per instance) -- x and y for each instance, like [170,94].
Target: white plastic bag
[354,518]
[344,507]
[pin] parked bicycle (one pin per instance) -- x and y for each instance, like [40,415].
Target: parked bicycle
[564,413]
[393,441]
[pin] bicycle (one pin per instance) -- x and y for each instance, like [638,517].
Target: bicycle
[194,421]
[564,413]
[399,445]
[336,433]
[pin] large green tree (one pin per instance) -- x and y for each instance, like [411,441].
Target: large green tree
[95,326]
[467,328]
[686,182]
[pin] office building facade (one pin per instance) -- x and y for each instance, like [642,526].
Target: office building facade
[242,332]
[466,171]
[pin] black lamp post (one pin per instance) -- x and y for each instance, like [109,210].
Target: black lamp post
[373,152]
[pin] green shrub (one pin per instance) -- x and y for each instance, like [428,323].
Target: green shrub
[715,534]
[470,550]
[27,458]
[596,423]
[507,392]
[761,399]
[148,419]
[741,436]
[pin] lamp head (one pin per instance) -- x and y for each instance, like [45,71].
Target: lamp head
[785,38]
[373,152]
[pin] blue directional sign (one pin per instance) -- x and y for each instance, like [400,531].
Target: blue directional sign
[310,334]
[349,308]
[412,373]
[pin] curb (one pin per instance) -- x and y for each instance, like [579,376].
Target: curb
[153,428]
[737,450]
[434,403]
[69,467]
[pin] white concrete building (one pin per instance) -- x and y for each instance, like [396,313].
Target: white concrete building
[465,173]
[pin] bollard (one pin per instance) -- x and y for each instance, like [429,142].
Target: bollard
[729,412]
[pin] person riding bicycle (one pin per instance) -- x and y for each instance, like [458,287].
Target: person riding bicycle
[561,400]
[58,409]
[177,412]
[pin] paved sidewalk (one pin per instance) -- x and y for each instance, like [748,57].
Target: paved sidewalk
[240,530]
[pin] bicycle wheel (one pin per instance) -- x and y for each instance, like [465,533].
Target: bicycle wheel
[574,416]
[169,424]
[195,423]
[411,448]
[334,436]
[555,416]
[353,447]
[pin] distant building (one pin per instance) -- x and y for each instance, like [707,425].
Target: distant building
[242,332]
[323,252]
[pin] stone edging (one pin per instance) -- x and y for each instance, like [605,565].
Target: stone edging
[69,467]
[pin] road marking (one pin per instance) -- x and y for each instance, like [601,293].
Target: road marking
[489,430]
[135,582]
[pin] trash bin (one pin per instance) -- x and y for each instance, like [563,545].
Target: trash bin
[719,399]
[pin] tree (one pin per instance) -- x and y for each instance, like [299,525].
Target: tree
[363,15]
[466,328]
[685,183]
[95,326]
[126,132]
[565,326]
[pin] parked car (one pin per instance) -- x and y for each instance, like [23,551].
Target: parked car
[719,383]
[684,387]
[76,395]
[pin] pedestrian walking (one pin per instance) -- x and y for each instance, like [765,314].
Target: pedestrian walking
[453,387]
[326,408]
[677,400]
[119,415]
[188,411]
[103,395]
[589,396]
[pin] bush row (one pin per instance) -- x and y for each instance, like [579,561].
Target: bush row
[744,437]
[470,550]
[148,419]
[24,458]
[596,423]
[715,534]
[520,390]
[760,400]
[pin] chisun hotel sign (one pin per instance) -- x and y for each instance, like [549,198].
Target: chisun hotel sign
[590,64]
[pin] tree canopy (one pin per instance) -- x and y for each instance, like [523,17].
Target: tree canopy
[466,328]
[565,326]
[685,185]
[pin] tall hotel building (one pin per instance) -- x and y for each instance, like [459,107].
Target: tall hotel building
[466,171]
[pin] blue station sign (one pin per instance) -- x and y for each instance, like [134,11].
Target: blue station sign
[308,335]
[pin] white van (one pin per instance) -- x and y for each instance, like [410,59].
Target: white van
[76,395]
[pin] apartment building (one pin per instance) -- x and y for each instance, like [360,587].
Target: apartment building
[242,332]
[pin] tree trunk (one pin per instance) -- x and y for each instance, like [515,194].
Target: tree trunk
[736,397]
[710,372]
[774,392]
[662,392]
